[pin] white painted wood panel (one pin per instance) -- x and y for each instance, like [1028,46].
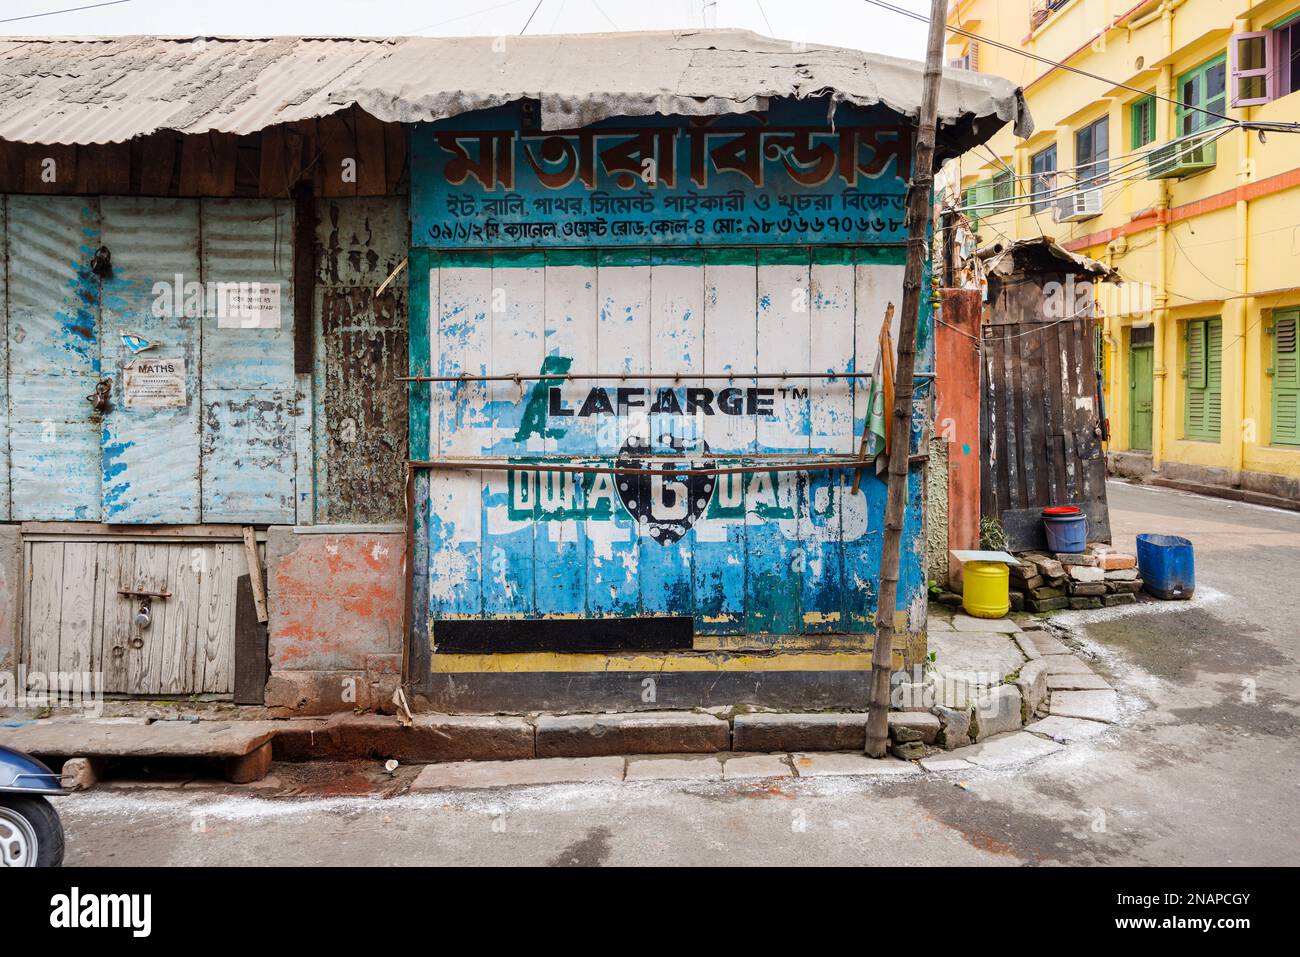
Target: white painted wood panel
[832,350]
[784,324]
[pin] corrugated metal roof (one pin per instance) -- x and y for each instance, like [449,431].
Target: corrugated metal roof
[110,89]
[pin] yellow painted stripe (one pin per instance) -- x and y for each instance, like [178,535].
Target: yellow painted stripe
[783,643]
[550,662]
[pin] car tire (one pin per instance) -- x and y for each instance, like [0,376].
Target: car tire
[44,825]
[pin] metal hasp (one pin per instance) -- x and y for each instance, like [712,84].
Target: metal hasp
[143,594]
[143,617]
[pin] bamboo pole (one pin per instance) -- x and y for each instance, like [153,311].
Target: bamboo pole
[918,220]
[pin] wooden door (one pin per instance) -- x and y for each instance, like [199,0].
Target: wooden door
[76,620]
[1141,360]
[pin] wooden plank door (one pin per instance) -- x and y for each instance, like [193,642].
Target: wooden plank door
[76,621]
[1141,396]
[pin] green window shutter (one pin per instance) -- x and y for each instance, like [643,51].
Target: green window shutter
[1286,378]
[1203,379]
[1196,354]
[1142,122]
[1213,377]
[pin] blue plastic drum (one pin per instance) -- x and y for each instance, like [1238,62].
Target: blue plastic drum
[1167,566]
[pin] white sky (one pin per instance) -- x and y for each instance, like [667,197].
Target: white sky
[848,23]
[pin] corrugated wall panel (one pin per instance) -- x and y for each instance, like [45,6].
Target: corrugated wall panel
[150,456]
[248,391]
[54,358]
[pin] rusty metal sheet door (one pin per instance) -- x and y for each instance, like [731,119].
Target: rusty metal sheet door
[54,363]
[149,460]
[248,452]
[135,393]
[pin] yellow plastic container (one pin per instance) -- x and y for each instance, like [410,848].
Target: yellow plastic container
[985,587]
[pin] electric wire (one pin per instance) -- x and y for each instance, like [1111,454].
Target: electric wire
[55,13]
[1071,69]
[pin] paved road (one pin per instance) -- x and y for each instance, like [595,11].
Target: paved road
[1205,770]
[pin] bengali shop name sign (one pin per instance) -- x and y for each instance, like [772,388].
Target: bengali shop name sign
[657,181]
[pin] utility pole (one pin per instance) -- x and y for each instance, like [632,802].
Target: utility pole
[919,210]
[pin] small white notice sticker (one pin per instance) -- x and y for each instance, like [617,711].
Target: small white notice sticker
[248,305]
[153,383]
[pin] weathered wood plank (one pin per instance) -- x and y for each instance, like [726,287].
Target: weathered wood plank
[43,615]
[180,636]
[517,319]
[784,344]
[772,586]
[559,545]
[876,286]
[622,346]
[730,345]
[118,615]
[216,632]
[676,320]
[253,563]
[77,611]
[145,649]
[462,347]
[97,624]
[832,350]
[251,664]
[623,338]
[571,329]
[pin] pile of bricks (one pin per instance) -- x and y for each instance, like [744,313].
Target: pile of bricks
[1099,577]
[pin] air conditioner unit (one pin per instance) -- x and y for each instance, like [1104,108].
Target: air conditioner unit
[1182,158]
[1077,207]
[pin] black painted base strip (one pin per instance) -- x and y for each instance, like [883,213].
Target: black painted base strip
[568,635]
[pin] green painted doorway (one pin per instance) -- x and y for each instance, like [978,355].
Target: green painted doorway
[1141,365]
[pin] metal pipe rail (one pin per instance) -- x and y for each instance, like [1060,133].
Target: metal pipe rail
[820,465]
[639,376]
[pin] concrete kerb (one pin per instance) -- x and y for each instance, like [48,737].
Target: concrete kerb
[1050,696]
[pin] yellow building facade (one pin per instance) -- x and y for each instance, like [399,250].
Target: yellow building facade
[1150,171]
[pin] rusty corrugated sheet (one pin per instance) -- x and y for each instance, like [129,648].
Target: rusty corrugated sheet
[149,457]
[249,461]
[361,413]
[101,90]
[54,364]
